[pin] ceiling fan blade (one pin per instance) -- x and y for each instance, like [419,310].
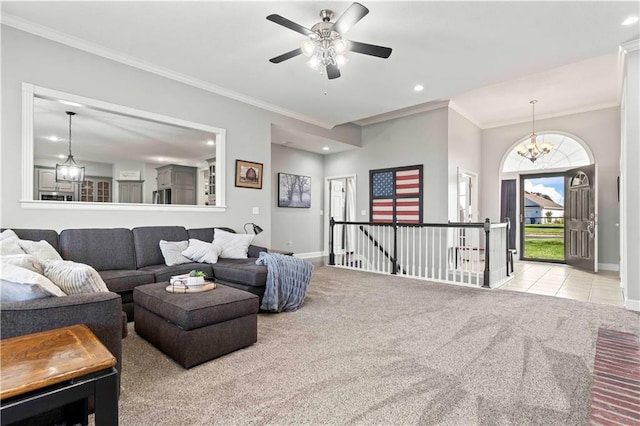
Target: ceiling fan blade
[349,18]
[285,56]
[332,72]
[369,49]
[289,24]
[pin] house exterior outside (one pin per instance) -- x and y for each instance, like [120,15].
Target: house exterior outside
[539,208]
[442,139]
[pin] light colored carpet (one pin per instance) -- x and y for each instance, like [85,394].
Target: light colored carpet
[377,349]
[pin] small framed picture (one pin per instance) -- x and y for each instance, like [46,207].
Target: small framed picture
[294,190]
[248,174]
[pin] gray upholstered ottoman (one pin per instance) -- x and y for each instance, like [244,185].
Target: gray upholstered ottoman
[195,328]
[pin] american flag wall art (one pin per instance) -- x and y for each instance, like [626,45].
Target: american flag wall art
[396,193]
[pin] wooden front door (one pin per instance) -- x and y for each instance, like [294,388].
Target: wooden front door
[580,218]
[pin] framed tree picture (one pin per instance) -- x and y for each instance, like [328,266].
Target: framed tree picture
[294,190]
[248,174]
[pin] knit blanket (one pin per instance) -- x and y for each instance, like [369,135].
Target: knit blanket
[287,281]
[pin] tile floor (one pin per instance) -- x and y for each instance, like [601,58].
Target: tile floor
[564,281]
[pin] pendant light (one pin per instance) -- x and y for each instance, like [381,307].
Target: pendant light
[69,171]
[532,150]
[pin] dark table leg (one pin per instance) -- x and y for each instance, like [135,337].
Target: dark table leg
[106,400]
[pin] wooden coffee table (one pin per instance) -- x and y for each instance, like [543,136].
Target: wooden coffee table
[55,368]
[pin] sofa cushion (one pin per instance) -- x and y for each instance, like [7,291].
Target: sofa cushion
[243,271]
[103,249]
[119,280]
[163,272]
[146,241]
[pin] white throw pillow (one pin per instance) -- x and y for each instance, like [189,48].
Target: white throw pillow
[201,251]
[18,275]
[74,278]
[26,261]
[42,250]
[171,252]
[10,245]
[234,246]
[7,233]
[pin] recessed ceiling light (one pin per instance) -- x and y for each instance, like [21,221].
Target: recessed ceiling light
[75,104]
[284,142]
[210,142]
[62,156]
[53,138]
[418,88]
[325,148]
[630,20]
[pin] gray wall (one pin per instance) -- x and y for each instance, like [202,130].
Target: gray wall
[28,58]
[406,141]
[464,152]
[600,130]
[301,226]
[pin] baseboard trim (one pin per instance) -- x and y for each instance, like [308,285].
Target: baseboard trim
[309,255]
[632,305]
[608,267]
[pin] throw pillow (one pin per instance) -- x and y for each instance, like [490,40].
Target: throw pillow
[42,250]
[203,252]
[74,278]
[234,246]
[17,275]
[26,261]
[18,292]
[171,252]
[10,245]
[7,233]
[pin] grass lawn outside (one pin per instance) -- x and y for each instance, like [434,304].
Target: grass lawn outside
[544,248]
[544,241]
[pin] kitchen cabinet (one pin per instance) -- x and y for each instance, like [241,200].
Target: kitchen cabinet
[96,189]
[130,191]
[176,184]
[47,182]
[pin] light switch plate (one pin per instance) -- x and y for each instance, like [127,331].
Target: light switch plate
[363,212]
[256,210]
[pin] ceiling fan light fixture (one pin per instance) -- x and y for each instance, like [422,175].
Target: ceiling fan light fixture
[340,46]
[340,60]
[308,47]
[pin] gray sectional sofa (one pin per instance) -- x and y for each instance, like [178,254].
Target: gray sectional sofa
[126,258]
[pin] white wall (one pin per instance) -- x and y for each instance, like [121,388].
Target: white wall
[31,59]
[301,226]
[600,130]
[406,141]
[464,152]
[630,180]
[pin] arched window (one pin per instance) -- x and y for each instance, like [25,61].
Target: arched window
[565,154]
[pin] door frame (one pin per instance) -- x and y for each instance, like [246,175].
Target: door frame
[327,205]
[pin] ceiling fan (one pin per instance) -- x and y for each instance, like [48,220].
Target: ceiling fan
[325,45]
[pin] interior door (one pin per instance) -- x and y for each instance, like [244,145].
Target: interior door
[580,217]
[337,206]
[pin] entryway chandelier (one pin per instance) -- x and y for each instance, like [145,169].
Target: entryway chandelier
[69,171]
[532,150]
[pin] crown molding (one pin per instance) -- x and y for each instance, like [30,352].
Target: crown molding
[404,112]
[454,106]
[62,38]
[631,45]
[553,115]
